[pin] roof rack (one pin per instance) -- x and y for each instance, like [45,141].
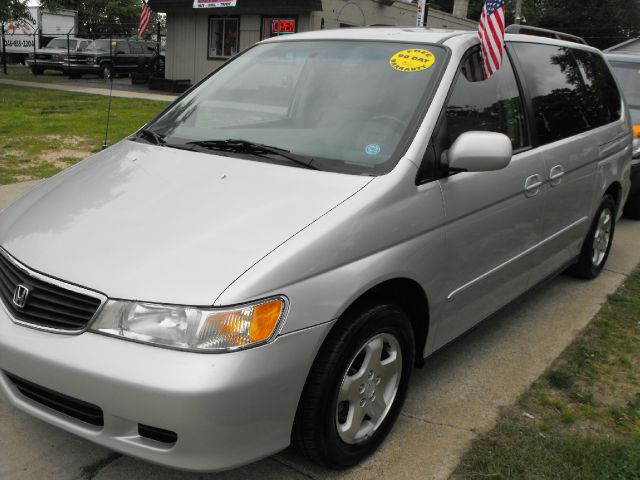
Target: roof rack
[543,32]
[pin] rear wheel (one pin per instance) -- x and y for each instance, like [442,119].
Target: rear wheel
[597,245]
[356,387]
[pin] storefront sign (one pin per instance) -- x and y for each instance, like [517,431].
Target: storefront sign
[214,3]
[281,26]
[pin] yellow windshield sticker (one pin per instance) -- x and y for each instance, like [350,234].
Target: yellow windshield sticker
[412,60]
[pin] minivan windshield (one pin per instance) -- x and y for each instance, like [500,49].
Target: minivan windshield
[344,106]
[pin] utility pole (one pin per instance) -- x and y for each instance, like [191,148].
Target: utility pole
[518,12]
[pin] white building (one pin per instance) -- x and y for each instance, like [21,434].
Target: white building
[200,40]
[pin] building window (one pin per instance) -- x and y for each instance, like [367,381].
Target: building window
[224,36]
[274,26]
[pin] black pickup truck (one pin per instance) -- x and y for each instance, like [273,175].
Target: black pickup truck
[113,57]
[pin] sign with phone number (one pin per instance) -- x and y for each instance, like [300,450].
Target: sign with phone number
[10,43]
[214,3]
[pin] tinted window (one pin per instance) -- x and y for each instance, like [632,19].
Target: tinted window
[628,75]
[571,90]
[601,100]
[492,105]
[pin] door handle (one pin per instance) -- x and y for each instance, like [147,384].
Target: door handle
[532,185]
[556,175]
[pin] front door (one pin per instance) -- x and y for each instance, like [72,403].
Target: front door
[493,218]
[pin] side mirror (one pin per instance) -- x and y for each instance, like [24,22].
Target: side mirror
[480,152]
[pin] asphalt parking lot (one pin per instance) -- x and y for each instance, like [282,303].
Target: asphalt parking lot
[457,396]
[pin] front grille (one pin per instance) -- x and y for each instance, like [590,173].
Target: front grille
[42,56]
[47,305]
[83,411]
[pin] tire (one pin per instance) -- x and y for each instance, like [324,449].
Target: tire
[632,208]
[37,70]
[324,430]
[106,71]
[597,245]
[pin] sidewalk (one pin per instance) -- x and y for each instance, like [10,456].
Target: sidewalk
[163,97]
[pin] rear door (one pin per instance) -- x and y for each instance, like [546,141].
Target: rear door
[565,114]
[493,218]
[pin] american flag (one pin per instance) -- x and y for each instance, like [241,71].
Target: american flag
[145,19]
[491,32]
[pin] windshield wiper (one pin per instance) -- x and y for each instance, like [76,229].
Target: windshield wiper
[152,136]
[244,146]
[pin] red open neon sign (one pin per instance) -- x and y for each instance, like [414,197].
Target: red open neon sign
[282,25]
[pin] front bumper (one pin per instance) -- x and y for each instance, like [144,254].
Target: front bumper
[46,64]
[227,409]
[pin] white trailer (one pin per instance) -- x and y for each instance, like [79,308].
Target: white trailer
[22,37]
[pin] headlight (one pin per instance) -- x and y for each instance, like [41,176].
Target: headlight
[59,57]
[196,329]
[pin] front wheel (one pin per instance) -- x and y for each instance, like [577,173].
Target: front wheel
[596,248]
[106,71]
[356,387]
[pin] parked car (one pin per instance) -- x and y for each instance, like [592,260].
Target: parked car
[626,68]
[113,57]
[267,260]
[52,57]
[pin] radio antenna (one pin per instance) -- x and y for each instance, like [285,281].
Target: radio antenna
[106,132]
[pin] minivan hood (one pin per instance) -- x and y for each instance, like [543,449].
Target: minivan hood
[155,224]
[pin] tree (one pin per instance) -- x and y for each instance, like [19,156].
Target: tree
[103,17]
[12,10]
[602,23]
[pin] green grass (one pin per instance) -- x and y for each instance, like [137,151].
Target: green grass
[24,74]
[586,408]
[44,131]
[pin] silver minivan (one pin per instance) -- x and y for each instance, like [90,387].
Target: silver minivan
[267,261]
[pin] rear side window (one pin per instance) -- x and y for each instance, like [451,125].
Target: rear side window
[492,105]
[572,90]
[602,99]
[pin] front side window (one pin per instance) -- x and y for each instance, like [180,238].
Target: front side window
[99,46]
[492,105]
[224,37]
[345,105]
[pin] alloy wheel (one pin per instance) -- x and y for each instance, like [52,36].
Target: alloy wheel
[369,388]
